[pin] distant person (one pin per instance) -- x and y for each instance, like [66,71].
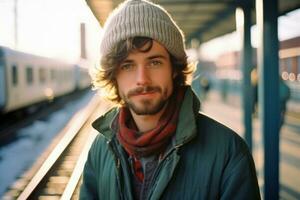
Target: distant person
[156,145]
[205,85]
[224,89]
[201,86]
[284,95]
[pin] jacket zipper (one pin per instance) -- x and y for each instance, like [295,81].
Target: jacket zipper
[118,166]
[158,169]
[160,164]
[122,178]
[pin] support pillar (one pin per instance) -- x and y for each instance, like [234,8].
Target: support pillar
[268,71]
[243,15]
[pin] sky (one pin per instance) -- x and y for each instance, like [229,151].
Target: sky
[51,28]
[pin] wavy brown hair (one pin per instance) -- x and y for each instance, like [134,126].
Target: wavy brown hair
[105,76]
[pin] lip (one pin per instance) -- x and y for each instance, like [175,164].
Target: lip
[145,94]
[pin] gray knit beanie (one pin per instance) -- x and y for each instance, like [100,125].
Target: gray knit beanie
[142,18]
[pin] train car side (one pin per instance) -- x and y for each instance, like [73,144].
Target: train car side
[83,79]
[31,79]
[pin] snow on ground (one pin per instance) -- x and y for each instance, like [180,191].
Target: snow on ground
[18,156]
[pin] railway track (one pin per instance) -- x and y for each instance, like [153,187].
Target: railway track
[12,122]
[59,175]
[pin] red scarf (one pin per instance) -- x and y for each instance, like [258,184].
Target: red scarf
[154,141]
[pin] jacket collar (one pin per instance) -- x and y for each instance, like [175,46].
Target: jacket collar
[186,127]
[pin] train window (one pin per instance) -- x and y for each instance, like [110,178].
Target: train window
[52,74]
[58,75]
[62,75]
[29,75]
[42,75]
[14,75]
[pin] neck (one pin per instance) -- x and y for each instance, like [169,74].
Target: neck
[147,122]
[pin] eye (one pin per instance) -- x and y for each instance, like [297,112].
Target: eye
[155,63]
[126,67]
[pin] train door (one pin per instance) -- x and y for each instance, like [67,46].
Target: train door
[2,80]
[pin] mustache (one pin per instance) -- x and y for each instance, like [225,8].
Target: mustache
[141,90]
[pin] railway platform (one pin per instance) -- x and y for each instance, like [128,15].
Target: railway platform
[230,113]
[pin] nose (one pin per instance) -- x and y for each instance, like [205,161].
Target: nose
[142,76]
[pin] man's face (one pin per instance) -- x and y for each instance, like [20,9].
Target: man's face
[145,80]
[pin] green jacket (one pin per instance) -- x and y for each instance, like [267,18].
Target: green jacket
[206,160]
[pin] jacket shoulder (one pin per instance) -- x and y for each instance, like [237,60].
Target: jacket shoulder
[232,156]
[214,133]
[213,141]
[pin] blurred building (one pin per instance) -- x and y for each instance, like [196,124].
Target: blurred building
[228,64]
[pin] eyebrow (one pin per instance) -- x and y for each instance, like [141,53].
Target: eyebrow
[156,56]
[148,58]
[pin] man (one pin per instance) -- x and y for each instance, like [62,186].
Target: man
[156,145]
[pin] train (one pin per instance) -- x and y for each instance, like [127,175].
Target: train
[27,79]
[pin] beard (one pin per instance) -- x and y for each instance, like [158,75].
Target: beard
[146,106]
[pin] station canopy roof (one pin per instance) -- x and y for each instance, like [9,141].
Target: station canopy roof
[199,19]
